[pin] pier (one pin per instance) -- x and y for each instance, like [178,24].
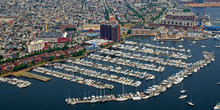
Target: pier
[35,76]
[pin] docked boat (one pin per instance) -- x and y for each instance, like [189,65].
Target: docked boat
[217,106]
[169,85]
[180,46]
[217,45]
[178,80]
[183,97]
[120,99]
[137,96]
[93,101]
[217,37]
[103,101]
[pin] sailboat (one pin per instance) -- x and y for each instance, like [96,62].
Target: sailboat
[182,90]
[121,98]
[103,98]
[190,102]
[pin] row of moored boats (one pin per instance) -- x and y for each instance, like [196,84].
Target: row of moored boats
[15,81]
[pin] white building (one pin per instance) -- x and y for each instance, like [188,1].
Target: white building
[36,46]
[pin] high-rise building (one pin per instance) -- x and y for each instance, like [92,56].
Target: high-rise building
[110,31]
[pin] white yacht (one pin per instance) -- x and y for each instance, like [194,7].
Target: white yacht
[183,97]
[190,103]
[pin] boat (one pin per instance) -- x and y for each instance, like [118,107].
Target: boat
[137,96]
[102,101]
[217,45]
[183,97]
[217,37]
[180,46]
[190,103]
[217,106]
[178,80]
[120,99]
[194,42]
[93,101]
[203,46]
[182,90]
[218,83]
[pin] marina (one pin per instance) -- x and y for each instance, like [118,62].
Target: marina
[119,70]
[14,81]
[151,91]
[74,78]
[125,62]
[178,55]
[152,59]
[166,84]
[98,75]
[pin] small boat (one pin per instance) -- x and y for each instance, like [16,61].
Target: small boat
[217,45]
[218,83]
[183,97]
[217,106]
[203,46]
[191,45]
[93,101]
[180,46]
[182,90]
[194,42]
[102,101]
[190,103]
[120,99]
[217,37]
[137,96]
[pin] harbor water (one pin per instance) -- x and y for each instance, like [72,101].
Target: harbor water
[51,95]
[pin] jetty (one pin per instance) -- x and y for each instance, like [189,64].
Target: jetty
[35,76]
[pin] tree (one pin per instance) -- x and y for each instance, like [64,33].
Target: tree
[129,32]
[1,57]
[70,29]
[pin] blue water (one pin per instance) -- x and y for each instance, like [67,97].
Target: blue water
[50,95]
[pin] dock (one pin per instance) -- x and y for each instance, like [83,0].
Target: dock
[33,76]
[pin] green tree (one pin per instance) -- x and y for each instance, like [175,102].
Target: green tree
[129,32]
